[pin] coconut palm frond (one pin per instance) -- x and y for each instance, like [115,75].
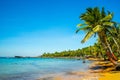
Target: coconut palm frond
[83,28]
[97,28]
[103,14]
[88,35]
[108,24]
[107,18]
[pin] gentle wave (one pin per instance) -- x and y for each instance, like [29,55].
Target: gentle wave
[33,68]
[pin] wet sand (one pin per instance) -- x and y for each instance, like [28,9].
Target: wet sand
[99,70]
[74,76]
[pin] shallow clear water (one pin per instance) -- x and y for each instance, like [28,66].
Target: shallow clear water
[33,68]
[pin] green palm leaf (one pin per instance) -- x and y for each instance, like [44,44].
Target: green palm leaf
[107,18]
[80,25]
[97,28]
[88,35]
[103,14]
[108,23]
[83,28]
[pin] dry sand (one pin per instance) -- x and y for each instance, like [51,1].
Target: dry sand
[110,76]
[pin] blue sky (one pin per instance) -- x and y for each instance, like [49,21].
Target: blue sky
[31,27]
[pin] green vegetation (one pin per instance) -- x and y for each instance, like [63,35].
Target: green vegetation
[69,53]
[95,51]
[96,23]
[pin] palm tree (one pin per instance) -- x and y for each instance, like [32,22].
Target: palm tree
[114,37]
[99,23]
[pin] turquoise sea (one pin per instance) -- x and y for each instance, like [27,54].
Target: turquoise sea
[34,68]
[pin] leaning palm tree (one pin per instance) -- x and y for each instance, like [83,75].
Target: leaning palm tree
[114,41]
[99,23]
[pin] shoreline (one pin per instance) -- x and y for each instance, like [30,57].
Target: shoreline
[98,70]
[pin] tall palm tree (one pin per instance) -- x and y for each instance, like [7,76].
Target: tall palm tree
[98,22]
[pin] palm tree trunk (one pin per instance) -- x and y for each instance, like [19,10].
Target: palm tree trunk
[107,48]
[112,55]
[111,59]
[116,44]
